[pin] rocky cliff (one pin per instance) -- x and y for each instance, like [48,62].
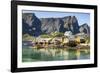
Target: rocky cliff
[31,24]
[35,26]
[85,28]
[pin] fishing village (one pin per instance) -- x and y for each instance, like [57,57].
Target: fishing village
[68,40]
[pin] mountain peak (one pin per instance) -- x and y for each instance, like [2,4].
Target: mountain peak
[85,28]
[28,16]
[35,26]
[31,24]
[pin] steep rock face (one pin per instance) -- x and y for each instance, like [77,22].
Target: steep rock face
[51,25]
[85,28]
[35,26]
[31,24]
[71,24]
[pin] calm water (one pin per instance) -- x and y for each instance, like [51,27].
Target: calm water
[30,54]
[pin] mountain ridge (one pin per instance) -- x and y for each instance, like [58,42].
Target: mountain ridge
[36,26]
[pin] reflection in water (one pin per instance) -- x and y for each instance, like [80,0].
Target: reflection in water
[30,54]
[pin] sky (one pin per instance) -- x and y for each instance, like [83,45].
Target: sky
[81,17]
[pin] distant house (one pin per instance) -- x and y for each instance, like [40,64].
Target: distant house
[68,33]
[42,39]
[66,40]
[80,37]
[55,40]
[71,38]
[27,43]
[80,34]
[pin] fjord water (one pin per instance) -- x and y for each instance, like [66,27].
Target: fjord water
[30,54]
